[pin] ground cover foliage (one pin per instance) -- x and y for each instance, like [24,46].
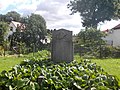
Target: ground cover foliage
[82,75]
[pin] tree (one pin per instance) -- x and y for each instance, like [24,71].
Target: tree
[13,15]
[3,34]
[2,18]
[3,31]
[17,42]
[95,11]
[91,39]
[35,30]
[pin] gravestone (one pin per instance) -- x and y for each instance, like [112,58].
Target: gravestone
[62,46]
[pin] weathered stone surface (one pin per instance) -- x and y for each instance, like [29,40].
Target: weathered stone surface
[62,46]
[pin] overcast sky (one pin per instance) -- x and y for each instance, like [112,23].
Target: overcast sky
[55,12]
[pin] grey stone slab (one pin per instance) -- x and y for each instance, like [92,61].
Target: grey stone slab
[62,46]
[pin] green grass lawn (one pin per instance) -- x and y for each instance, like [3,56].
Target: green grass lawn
[111,66]
[7,62]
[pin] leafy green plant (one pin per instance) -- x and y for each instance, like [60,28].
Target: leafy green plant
[63,76]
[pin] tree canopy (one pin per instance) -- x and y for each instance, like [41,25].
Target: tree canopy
[36,27]
[90,42]
[36,24]
[35,30]
[91,37]
[95,11]
[2,18]
[13,15]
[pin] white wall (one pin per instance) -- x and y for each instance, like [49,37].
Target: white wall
[11,32]
[14,28]
[114,37]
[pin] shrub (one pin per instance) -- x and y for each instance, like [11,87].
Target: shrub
[110,51]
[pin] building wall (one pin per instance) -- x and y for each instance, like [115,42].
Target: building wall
[11,30]
[113,37]
[13,26]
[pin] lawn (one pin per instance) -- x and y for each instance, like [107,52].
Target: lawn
[7,62]
[111,66]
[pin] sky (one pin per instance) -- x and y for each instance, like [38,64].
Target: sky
[55,12]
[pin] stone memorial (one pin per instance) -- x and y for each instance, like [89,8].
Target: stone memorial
[62,46]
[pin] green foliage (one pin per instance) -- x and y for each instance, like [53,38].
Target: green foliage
[62,76]
[18,40]
[36,24]
[89,42]
[95,11]
[36,27]
[110,51]
[35,31]
[13,15]
[91,37]
[3,30]
[2,18]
